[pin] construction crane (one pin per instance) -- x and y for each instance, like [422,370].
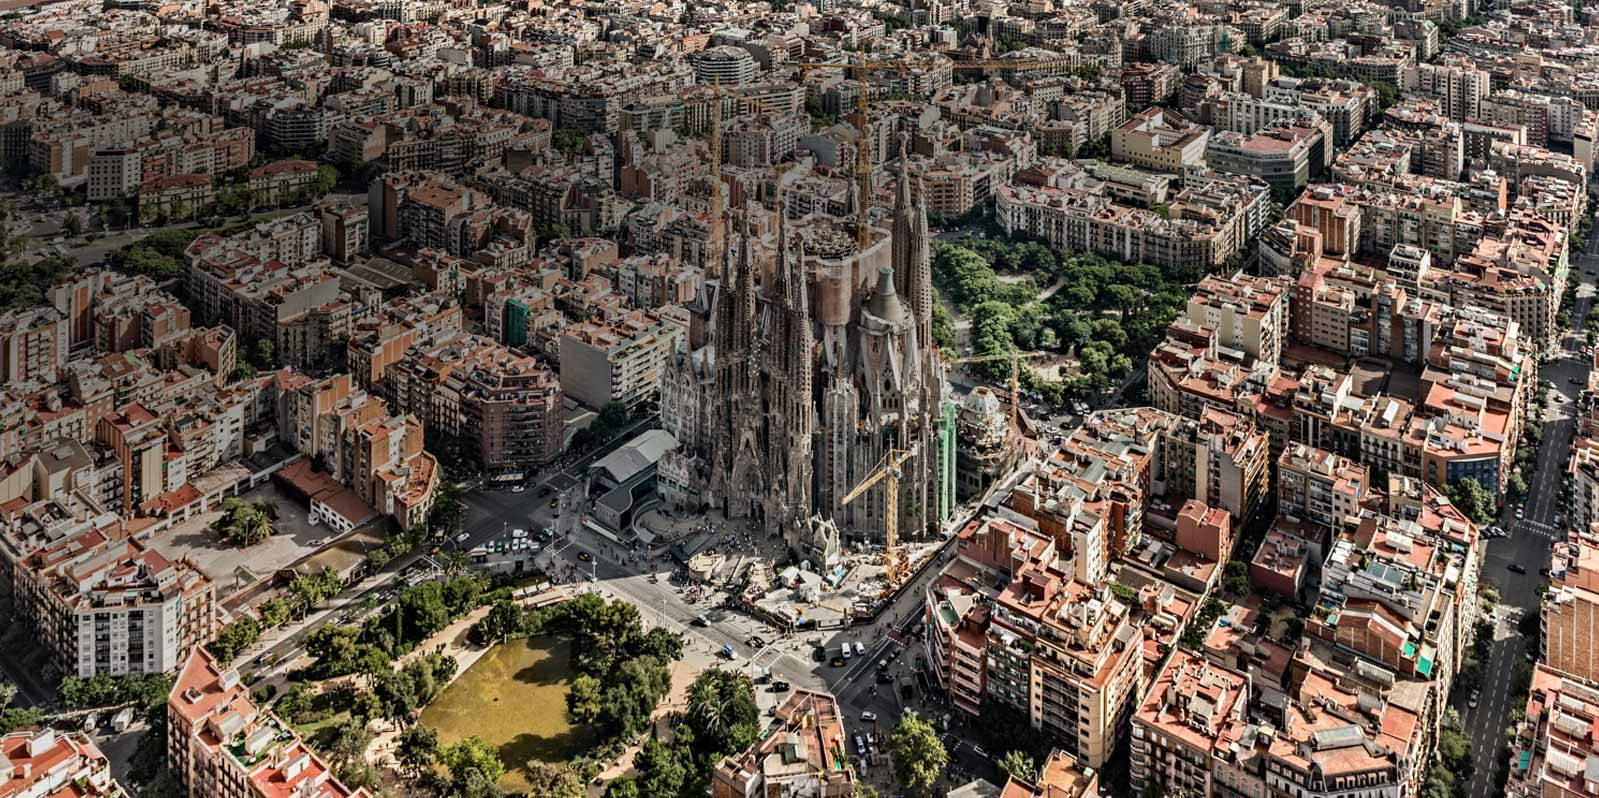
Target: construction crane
[1015,359]
[887,472]
[863,150]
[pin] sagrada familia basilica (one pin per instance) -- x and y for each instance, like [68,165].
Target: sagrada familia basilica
[815,359]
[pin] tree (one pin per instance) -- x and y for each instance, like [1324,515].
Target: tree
[274,612]
[397,696]
[295,704]
[554,781]
[722,712]
[472,755]
[567,140]
[583,699]
[265,354]
[72,225]
[8,693]
[1019,765]
[919,756]
[1472,499]
[1237,578]
[347,742]
[503,620]
[418,748]
[662,769]
[621,788]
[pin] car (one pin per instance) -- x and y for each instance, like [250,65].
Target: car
[584,556]
[701,620]
[838,662]
[463,537]
[860,648]
[1517,568]
[756,641]
[981,754]
[1473,702]
[1574,380]
[860,746]
[554,503]
[868,717]
[544,491]
[519,533]
[846,652]
[728,652]
[819,654]
[518,488]
[780,686]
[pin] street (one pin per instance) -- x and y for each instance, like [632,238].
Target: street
[1528,544]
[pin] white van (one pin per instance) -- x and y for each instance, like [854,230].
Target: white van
[860,648]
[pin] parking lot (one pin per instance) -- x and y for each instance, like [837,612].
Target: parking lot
[222,561]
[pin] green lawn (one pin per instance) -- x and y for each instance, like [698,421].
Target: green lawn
[514,697]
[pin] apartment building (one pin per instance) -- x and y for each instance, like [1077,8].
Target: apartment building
[1159,139]
[1458,83]
[619,360]
[1066,654]
[1570,610]
[1319,486]
[389,470]
[1399,591]
[1554,742]
[505,406]
[135,436]
[46,762]
[174,198]
[275,183]
[1192,710]
[1203,225]
[1059,776]
[104,606]
[33,345]
[1249,315]
[805,752]
[221,745]
[1286,157]
[1006,625]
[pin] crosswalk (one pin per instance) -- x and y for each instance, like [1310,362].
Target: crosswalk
[1539,528]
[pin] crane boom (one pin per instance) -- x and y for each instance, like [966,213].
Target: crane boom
[887,471]
[1015,359]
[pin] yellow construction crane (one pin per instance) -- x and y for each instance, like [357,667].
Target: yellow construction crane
[887,472]
[1015,359]
[863,149]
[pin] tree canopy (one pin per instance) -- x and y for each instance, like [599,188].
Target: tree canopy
[919,756]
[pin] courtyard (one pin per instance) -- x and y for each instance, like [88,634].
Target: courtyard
[228,565]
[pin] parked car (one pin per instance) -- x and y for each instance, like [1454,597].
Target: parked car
[1473,702]
[868,717]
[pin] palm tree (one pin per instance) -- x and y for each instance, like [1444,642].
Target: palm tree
[250,526]
[705,704]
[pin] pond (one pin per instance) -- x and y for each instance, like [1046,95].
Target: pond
[514,697]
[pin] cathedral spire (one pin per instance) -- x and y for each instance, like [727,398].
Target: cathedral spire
[921,276]
[747,307]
